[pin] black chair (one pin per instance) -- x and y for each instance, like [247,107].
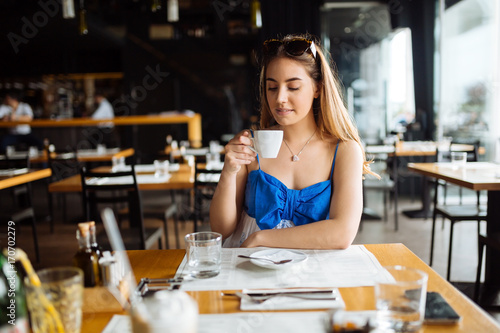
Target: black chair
[162,209]
[113,188]
[445,156]
[456,213]
[63,164]
[386,167]
[205,182]
[492,242]
[22,209]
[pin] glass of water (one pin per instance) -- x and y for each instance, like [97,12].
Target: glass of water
[401,301]
[62,287]
[203,254]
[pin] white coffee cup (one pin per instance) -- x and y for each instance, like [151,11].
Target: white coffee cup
[267,143]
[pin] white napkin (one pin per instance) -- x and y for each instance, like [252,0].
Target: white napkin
[292,303]
[13,172]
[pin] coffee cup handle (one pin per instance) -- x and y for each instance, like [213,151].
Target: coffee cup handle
[252,148]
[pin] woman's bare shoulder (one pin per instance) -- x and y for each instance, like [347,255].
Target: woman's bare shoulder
[350,149]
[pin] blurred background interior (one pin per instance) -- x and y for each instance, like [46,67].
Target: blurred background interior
[415,70]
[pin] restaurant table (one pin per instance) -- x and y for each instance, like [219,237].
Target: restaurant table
[181,179]
[85,155]
[7,181]
[193,122]
[476,176]
[19,179]
[423,149]
[164,263]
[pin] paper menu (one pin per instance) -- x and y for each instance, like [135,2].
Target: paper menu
[353,267]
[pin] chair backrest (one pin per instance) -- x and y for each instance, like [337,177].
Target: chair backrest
[112,188]
[7,162]
[472,155]
[63,164]
[205,182]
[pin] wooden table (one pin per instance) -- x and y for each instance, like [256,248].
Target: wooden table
[181,179]
[31,175]
[90,155]
[423,149]
[417,148]
[164,263]
[475,176]
[193,123]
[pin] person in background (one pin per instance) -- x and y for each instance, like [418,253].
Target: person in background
[104,110]
[13,109]
[310,196]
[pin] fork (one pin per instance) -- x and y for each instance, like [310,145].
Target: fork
[262,299]
[284,261]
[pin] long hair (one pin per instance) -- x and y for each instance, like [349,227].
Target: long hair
[331,115]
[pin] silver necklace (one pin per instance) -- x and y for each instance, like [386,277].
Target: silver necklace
[295,157]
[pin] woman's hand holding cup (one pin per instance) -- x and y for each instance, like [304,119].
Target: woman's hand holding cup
[239,151]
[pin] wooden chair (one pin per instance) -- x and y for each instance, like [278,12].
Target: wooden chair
[113,188]
[456,213]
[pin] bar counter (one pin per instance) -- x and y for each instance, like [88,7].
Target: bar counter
[193,123]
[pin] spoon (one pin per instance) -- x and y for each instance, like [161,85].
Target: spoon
[284,261]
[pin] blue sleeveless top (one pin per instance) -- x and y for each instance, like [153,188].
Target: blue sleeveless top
[270,201]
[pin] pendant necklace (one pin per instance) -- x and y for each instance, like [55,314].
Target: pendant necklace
[295,157]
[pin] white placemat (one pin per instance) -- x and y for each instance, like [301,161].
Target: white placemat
[352,267]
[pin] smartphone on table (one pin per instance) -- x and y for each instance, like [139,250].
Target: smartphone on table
[439,311]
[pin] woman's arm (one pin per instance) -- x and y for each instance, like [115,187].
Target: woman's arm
[345,211]
[227,202]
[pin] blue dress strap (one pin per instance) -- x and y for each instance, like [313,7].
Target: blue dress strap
[334,157]
[258,161]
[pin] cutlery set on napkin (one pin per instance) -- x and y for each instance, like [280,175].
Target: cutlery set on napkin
[288,299]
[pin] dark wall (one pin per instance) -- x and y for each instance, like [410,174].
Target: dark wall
[184,72]
[419,16]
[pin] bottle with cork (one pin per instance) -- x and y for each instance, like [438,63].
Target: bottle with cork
[93,240]
[86,258]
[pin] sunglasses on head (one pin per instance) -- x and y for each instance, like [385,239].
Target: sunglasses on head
[294,47]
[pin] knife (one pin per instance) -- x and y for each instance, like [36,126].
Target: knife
[285,292]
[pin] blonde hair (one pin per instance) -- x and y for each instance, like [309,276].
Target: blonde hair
[330,113]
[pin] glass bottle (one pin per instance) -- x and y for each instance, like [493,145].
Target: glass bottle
[93,240]
[83,19]
[12,299]
[155,5]
[86,258]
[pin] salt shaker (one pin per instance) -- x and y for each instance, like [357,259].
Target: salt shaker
[166,311]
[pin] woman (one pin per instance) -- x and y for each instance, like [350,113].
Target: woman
[310,196]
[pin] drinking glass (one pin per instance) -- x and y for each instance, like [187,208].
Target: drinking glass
[458,159]
[101,149]
[161,168]
[118,163]
[213,160]
[203,250]
[401,302]
[62,287]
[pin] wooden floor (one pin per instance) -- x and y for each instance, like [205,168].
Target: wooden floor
[58,248]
